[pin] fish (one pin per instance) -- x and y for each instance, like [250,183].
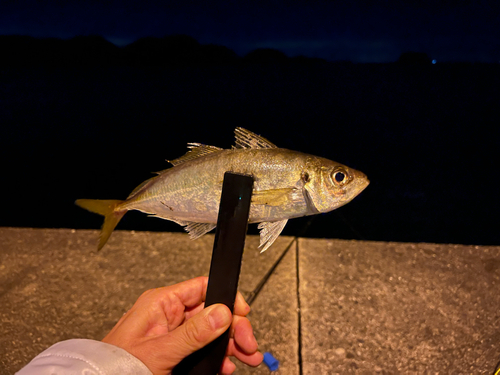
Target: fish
[287,184]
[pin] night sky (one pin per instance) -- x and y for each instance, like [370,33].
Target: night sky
[358,31]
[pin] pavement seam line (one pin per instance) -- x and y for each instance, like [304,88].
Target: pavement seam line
[299,315]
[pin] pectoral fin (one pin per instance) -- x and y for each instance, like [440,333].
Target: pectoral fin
[269,232]
[273,197]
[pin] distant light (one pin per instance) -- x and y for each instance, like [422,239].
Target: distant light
[434,61]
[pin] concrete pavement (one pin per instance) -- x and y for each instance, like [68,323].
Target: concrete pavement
[330,306]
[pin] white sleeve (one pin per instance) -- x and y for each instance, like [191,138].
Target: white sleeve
[82,356]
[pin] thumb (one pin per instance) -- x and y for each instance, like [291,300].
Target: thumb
[199,331]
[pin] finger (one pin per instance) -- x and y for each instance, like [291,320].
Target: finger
[227,367]
[242,333]
[153,313]
[253,359]
[197,332]
[190,312]
[176,303]
[241,307]
[137,321]
[190,292]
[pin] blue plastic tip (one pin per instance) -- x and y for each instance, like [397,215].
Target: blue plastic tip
[271,362]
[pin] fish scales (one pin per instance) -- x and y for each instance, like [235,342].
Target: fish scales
[287,184]
[191,191]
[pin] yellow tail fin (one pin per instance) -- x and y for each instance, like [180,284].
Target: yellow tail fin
[107,208]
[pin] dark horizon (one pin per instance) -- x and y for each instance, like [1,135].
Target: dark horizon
[176,49]
[357,31]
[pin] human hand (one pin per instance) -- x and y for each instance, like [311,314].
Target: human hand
[167,324]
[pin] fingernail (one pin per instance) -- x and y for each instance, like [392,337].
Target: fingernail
[219,317]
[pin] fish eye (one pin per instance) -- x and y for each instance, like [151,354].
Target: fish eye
[340,177]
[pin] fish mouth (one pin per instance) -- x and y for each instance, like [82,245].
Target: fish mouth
[360,176]
[358,185]
[361,181]
[365,184]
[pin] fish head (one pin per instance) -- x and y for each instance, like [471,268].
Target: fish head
[332,185]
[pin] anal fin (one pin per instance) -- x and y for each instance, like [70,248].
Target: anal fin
[195,230]
[269,231]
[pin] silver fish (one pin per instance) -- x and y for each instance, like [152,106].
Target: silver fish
[288,184]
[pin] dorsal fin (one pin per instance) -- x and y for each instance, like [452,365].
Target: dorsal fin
[197,150]
[247,139]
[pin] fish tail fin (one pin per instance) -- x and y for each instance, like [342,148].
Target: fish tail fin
[107,208]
